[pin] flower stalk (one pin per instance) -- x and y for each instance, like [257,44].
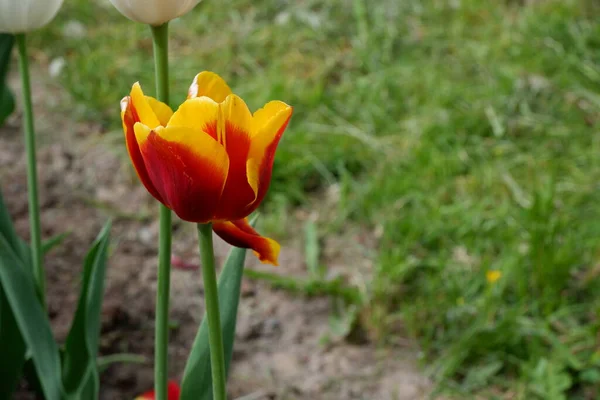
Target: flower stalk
[160,40]
[32,179]
[211,299]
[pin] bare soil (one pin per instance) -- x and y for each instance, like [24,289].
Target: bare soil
[280,351]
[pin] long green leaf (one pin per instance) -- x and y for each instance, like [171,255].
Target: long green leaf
[7,100]
[12,350]
[124,358]
[31,319]
[12,346]
[7,229]
[80,371]
[7,103]
[49,244]
[16,244]
[197,381]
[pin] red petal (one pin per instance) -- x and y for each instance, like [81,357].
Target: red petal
[189,171]
[237,194]
[130,117]
[262,154]
[239,233]
[173,393]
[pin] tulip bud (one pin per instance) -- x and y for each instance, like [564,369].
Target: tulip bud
[153,12]
[20,16]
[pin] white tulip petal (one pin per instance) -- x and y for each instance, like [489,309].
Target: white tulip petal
[153,12]
[20,16]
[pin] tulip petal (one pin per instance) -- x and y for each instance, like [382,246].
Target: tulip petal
[261,117]
[269,124]
[188,170]
[199,115]
[173,393]
[129,116]
[210,85]
[146,114]
[238,122]
[234,131]
[162,111]
[239,233]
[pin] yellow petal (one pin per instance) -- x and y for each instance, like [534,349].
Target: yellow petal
[210,85]
[235,122]
[198,114]
[141,133]
[162,111]
[269,123]
[264,115]
[146,114]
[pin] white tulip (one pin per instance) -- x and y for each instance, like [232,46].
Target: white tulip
[20,16]
[153,12]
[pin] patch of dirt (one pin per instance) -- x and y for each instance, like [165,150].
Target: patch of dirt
[280,351]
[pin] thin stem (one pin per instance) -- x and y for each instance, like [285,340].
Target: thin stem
[160,42]
[160,39]
[211,298]
[32,180]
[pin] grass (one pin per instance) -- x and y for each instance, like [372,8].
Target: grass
[467,131]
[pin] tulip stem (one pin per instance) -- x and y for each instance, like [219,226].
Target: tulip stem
[32,179]
[211,299]
[160,40]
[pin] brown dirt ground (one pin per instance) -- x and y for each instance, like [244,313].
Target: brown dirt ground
[279,353]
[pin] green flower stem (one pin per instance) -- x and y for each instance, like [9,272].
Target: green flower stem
[32,180]
[211,299]
[160,39]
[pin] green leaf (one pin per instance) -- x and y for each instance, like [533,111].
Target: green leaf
[312,251]
[197,382]
[31,319]
[7,103]
[12,349]
[7,229]
[12,346]
[20,248]
[80,371]
[7,100]
[49,244]
[123,358]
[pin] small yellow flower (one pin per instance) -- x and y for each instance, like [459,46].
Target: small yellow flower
[493,275]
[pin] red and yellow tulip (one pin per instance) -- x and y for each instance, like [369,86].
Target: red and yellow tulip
[209,161]
[172,393]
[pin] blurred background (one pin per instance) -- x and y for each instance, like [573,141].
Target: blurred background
[436,193]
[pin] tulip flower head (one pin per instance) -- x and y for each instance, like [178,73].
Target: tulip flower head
[21,16]
[209,161]
[172,393]
[154,12]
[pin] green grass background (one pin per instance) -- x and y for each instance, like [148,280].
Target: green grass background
[467,130]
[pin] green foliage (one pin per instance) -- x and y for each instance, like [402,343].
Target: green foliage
[25,328]
[54,241]
[7,100]
[197,381]
[21,295]
[312,251]
[464,131]
[80,371]
[13,356]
